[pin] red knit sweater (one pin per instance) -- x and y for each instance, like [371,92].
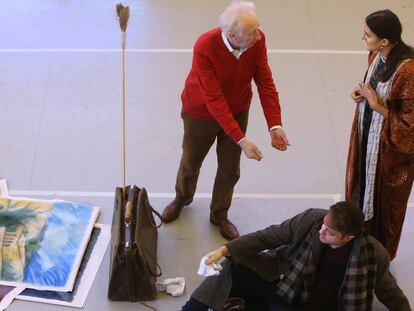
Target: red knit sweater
[219,85]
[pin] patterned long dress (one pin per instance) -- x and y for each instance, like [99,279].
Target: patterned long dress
[384,160]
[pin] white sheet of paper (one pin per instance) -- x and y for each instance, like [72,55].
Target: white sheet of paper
[7,299]
[4,191]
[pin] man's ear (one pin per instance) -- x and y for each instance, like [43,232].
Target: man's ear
[231,35]
[349,238]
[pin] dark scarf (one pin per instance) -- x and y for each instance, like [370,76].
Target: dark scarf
[360,275]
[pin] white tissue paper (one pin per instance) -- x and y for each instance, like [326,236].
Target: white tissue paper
[208,270]
[174,286]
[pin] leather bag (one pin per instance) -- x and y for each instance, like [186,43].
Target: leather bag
[133,266]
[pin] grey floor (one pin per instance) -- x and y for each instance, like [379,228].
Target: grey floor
[60,109]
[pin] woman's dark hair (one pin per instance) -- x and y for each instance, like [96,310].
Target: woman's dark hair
[385,24]
[347,218]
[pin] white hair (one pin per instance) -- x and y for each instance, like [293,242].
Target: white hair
[234,16]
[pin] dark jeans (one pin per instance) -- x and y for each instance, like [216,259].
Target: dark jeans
[259,294]
[194,305]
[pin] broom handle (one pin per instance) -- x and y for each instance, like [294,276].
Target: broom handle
[123,118]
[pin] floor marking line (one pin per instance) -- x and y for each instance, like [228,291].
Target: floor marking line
[336,197]
[333,196]
[269,51]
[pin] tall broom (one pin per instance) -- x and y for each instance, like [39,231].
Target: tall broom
[123,15]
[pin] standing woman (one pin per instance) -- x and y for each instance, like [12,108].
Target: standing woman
[380,168]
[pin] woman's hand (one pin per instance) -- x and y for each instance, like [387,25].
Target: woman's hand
[356,95]
[370,94]
[372,98]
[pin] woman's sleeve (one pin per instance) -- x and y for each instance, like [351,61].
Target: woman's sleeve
[399,127]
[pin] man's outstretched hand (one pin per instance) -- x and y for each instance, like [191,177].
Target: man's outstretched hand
[279,139]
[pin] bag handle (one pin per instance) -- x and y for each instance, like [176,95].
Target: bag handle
[143,199]
[147,255]
[156,213]
[150,210]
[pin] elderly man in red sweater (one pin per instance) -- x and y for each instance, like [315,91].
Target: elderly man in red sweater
[216,100]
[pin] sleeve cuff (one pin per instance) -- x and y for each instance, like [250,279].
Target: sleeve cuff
[275,127]
[241,140]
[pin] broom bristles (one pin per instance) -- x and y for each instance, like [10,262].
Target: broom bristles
[119,8]
[123,15]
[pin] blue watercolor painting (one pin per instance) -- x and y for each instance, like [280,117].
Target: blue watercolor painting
[44,242]
[94,254]
[67,296]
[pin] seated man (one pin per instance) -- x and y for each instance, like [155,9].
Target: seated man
[318,260]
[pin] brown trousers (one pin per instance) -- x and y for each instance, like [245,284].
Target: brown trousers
[199,136]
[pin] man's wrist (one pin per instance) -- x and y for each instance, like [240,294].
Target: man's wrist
[224,250]
[241,140]
[275,128]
